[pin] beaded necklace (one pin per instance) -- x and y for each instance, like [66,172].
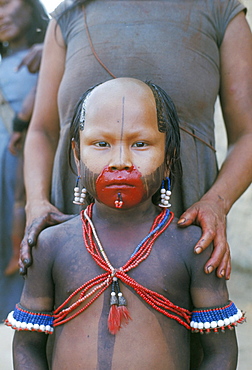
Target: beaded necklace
[119,314]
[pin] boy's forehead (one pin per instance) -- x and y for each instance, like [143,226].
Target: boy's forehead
[120,94]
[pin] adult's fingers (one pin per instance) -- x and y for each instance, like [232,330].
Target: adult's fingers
[15,143]
[188,217]
[204,217]
[29,240]
[215,232]
[224,268]
[12,148]
[41,223]
[31,236]
[220,258]
[25,256]
[212,221]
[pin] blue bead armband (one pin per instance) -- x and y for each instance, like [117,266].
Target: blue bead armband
[215,319]
[22,319]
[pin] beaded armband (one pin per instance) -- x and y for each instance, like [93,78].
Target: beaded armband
[21,319]
[215,319]
[19,125]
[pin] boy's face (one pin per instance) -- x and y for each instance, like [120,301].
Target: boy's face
[121,149]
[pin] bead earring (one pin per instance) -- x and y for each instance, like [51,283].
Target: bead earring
[79,197]
[165,194]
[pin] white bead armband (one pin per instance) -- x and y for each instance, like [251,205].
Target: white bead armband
[22,319]
[216,318]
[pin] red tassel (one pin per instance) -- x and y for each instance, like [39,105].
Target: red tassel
[124,315]
[114,323]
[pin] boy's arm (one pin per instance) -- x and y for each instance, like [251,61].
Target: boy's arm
[29,350]
[29,345]
[220,351]
[208,291]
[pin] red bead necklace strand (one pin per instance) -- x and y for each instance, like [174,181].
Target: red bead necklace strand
[99,284]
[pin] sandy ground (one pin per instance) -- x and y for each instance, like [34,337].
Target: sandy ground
[240,288]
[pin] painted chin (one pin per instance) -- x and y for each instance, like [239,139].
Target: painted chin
[120,189]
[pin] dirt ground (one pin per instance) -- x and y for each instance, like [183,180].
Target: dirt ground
[240,288]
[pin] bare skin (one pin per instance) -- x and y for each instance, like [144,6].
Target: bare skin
[85,342]
[62,263]
[211,211]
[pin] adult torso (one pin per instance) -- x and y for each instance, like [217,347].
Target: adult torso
[173,43]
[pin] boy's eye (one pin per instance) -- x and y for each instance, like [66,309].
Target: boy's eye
[102,144]
[139,144]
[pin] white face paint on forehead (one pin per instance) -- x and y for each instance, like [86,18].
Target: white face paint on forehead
[116,95]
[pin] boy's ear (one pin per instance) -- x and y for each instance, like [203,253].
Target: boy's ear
[76,153]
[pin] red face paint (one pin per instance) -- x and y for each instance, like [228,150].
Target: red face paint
[125,185]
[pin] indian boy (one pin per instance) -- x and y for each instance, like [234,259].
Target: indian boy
[119,286]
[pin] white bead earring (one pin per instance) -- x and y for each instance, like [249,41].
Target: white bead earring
[79,197]
[165,194]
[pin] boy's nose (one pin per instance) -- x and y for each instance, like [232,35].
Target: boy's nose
[121,159]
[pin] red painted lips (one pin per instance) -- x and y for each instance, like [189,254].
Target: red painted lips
[126,182]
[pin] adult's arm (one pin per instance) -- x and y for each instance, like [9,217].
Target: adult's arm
[32,61]
[17,138]
[41,143]
[236,172]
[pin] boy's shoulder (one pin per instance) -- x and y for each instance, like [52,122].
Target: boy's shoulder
[185,235]
[60,232]
[183,241]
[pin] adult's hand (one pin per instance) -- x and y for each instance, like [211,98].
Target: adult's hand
[49,216]
[16,142]
[210,216]
[32,59]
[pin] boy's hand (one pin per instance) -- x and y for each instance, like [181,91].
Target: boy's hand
[51,217]
[210,216]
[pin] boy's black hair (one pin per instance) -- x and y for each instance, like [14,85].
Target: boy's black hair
[38,24]
[168,122]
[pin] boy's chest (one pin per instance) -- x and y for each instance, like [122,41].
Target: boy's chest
[161,271]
